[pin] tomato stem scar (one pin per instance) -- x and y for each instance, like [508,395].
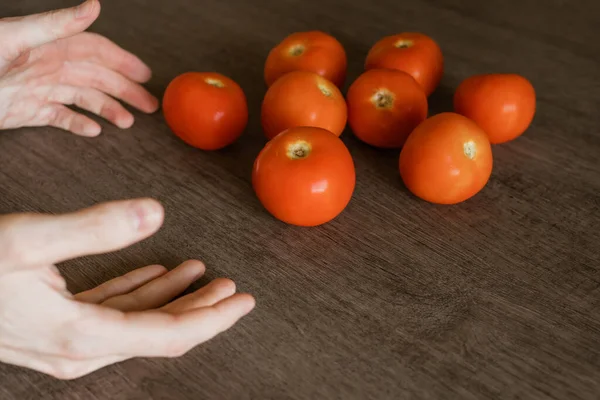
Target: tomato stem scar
[214,82]
[296,50]
[325,89]
[383,98]
[298,150]
[403,44]
[470,149]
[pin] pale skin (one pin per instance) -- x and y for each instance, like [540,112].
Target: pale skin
[47,61]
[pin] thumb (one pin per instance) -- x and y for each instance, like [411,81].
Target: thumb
[30,240]
[35,30]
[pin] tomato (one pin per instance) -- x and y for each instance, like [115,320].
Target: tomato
[206,110]
[384,106]
[303,98]
[304,176]
[313,51]
[446,160]
[502,104]
[411,52]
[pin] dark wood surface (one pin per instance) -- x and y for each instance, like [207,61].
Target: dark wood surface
[495,298]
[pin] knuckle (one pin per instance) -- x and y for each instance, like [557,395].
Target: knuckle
[79,99]
[57,19]
[65,370]
[99,225]
[110,225]
[98,82]
[73,346]
[54,15]
[52,115]
[108,108]
[72,349]
[176,349]
[11,49]
[88,99]
[12,53]
[55,23]
[103,108]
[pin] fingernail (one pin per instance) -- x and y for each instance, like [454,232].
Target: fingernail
[147,215]
[85,9]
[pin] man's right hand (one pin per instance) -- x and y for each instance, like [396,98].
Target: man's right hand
[46,328]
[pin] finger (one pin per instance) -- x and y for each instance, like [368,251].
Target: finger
[207,296]
[94,101]
[29,32]
[159,291]
[88,46]
[62,117]
[155,333]
[40,239]
[122,284]
[110,82]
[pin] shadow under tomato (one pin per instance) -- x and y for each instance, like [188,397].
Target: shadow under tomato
[356,51]
[374,163]
[441,100]
[242,61]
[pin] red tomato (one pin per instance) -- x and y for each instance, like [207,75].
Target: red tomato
[384,106]
[446,160]
[414,53]
[303,98]
[312,51]
[502,104]
[304,176]
[206,110]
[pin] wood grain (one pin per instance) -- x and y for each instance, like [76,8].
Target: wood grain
[496,298]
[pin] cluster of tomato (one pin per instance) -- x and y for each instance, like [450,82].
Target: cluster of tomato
[305,175]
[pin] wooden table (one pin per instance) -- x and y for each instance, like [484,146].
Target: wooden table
[494,298]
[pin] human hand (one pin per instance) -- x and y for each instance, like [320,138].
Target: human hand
[47,62]
[46,328]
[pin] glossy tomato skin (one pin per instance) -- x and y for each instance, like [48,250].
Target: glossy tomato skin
[446,160]
[385,106]
[502,104]
[206,110]
[302,98]
[412,52]
[304,176]
[313,51]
